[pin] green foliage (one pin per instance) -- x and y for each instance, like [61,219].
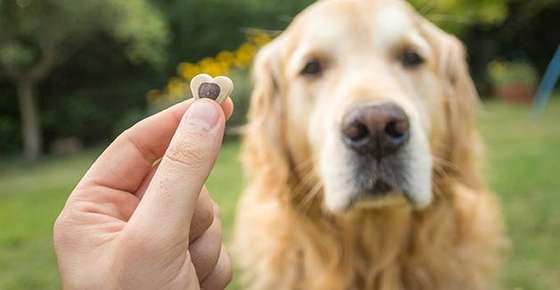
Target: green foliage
[144,28]
[14,54]
[29,25]
[531,9]
[502,72]
[204,27]
[37,36]
[458,15]
[8,128]
[111,52]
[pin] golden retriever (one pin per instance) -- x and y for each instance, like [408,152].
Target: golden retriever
[361,154]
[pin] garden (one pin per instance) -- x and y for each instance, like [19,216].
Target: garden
[75,74]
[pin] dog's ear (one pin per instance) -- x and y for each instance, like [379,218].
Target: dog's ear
[462,145]
[264,147]
[463,101]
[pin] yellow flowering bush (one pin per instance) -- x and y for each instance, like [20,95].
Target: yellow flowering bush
[220,64]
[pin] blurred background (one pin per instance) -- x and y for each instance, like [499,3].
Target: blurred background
[74,74]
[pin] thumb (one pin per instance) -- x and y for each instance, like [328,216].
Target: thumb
[167,207]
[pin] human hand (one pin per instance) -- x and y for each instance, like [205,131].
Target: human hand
[130,224]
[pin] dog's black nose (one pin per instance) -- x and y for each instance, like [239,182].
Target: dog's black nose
[379,130]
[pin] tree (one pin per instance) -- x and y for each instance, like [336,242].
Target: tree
[36,36]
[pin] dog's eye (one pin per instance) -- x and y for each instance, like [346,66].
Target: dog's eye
[411,59]
[312,68]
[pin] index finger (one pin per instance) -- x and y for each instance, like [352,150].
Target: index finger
[130,158]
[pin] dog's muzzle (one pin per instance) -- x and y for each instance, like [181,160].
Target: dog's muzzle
[377,135]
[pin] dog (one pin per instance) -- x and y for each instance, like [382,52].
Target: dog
[362,158]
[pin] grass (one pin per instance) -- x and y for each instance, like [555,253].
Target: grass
[523,164]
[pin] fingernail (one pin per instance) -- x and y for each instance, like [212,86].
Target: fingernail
[204,114]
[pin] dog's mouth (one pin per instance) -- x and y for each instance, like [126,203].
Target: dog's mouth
[380,188]
[373,183]
[377,180]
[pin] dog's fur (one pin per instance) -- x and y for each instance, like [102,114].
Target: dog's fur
[289,236]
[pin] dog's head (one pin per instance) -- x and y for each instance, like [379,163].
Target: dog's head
[367,99]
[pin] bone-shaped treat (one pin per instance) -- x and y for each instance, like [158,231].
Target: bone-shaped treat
[218,89]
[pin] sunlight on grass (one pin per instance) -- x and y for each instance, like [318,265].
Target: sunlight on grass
[523,156]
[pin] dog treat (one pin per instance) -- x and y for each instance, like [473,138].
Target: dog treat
[218,89]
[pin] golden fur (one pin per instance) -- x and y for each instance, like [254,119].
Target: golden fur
[284,237]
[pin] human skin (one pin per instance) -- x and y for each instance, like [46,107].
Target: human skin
[141,217]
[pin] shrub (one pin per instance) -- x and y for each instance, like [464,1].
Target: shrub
[503,73]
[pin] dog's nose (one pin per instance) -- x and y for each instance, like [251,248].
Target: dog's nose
[379,130]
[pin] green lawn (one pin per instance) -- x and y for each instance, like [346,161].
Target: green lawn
[523,167]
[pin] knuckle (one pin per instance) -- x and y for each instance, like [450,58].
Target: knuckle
[207,216]
[190,154]
[132,138]
[217,210]
[202,220]
[217,231]
[227,276]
